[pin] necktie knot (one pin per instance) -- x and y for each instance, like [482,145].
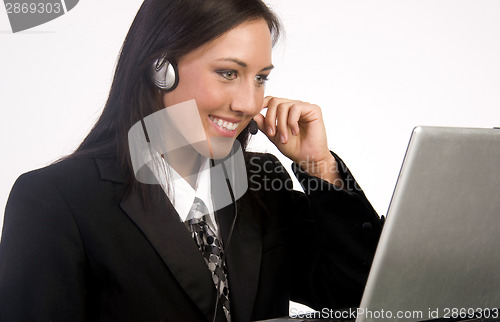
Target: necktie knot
[198,209]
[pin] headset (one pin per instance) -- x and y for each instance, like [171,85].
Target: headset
[165,74]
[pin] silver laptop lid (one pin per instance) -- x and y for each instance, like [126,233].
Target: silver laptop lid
[439,252]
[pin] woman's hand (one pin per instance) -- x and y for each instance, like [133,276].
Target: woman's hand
[298,131]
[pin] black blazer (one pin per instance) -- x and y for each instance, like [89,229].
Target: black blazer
[76,247]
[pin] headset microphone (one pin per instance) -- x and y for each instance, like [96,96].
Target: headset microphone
[253,127]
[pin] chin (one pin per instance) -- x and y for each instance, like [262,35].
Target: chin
[215,147]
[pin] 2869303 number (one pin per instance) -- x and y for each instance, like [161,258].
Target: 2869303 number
[25,7]
[471,313]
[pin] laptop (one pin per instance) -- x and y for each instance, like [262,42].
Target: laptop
[439,252]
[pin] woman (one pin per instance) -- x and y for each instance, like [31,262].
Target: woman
[84,239]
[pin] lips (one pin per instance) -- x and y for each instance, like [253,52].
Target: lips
[228,126]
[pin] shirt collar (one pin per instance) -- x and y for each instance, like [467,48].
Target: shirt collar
[181,194]
[184,194]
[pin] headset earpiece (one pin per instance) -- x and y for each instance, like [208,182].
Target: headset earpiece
[165,74]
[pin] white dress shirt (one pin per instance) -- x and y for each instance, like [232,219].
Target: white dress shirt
[181,194]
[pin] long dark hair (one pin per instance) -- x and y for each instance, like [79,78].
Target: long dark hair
[174,28]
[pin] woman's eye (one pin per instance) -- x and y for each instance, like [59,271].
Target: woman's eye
[261,79]
[228,74]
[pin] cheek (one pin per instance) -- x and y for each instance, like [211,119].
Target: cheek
[206,92]
[210,98]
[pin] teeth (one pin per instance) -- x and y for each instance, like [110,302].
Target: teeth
[224,124]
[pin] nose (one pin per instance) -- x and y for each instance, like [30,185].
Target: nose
[247,99]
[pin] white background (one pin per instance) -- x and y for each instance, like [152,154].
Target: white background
[377,69]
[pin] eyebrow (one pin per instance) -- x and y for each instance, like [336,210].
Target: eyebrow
[243,64]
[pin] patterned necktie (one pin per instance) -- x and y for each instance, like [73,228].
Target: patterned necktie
[212,250]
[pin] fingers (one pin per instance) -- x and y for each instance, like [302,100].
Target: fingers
[281,121]
[293,119]
[282,117]
[270,119]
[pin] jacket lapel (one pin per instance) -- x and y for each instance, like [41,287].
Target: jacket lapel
[170,238]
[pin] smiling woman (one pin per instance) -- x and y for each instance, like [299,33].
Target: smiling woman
[85,239]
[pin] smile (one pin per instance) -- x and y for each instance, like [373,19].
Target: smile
[228,126]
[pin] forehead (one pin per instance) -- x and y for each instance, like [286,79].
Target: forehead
[249,42]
